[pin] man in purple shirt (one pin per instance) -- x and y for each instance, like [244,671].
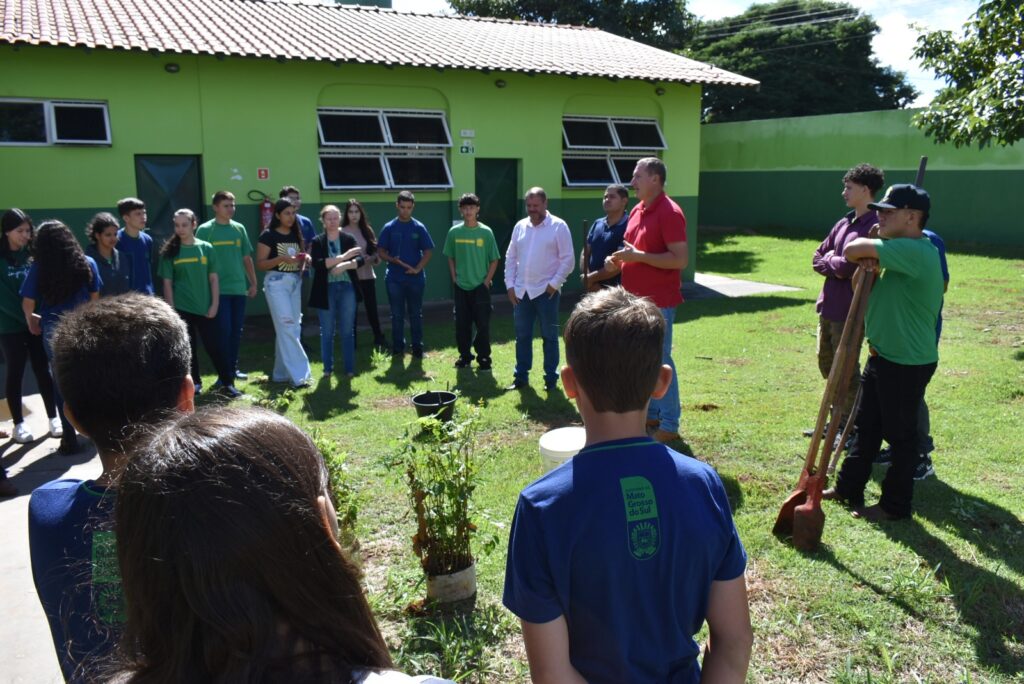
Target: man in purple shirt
[860,185]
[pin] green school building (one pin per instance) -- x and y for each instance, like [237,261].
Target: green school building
[172,101]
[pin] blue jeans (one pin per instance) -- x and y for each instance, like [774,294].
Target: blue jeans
[525,313]
[339,317]
[230,319]
[406,295]
[666,410]
[284,300]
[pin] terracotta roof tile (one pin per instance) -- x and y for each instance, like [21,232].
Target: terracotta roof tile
[324,31]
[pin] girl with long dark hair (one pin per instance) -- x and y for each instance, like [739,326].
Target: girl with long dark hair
[355,224]
[230,565]
[188,267]
[18,344]
[281,251]
[60,278]
[115,268]
[333,294]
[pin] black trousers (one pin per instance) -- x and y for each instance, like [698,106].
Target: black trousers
[366,292]
[891,395]
[473,308]
[18,348]
[207,329]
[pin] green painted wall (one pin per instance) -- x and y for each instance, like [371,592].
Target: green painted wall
[788,173]
[242,114]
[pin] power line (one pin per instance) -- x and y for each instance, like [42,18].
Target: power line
[774,27]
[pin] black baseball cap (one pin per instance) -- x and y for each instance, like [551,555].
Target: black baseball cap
[904,196]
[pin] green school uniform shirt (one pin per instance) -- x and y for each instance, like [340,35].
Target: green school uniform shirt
[12,275]
[232,245]
[905,301]
[473,250]
[190,272]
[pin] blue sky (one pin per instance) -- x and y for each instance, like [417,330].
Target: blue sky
[893,45]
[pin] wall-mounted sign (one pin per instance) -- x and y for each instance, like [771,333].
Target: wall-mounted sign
[263,173]
[467,147]
[467,133]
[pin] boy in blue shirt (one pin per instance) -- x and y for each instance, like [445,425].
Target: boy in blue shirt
[617,557]
[407,247]
[135,244]
[120,362]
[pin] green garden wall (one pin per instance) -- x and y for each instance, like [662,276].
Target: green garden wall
[788,173]
[241,114]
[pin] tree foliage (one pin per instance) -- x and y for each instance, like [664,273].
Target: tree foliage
[664,24]
[811,57]
[983,101]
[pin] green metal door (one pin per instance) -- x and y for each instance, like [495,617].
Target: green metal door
[497,185]
[167,183]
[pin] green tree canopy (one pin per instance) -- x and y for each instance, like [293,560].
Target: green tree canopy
[664,24]
[811,57]
[983,101]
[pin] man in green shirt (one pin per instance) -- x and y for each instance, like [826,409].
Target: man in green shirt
[237,274]
[900,331]
[472,259]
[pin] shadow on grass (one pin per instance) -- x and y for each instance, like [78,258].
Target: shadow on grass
[726,306]
[326,402]
[475,385]
[990,603]
[400,376]
[552,409]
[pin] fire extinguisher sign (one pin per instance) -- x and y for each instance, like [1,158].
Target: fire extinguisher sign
[263,173]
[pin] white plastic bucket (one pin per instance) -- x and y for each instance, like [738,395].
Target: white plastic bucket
[558,446]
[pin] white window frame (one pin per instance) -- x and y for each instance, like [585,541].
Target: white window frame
[50,122]
[362,154]
[610,121]
[598,184]
[388,150]
[394,154]
[634,120]
[588,119]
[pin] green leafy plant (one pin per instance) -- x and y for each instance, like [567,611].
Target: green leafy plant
[442,472]
[343,494]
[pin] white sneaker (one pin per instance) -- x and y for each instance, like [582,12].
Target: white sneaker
[56,429]
[22,435]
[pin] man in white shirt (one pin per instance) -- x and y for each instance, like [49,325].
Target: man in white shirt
[538,260]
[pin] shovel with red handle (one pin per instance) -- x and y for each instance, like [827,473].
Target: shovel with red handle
[801,513]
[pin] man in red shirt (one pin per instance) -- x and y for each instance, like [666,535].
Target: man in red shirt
[653,254]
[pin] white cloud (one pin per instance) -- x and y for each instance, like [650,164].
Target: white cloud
[893,45]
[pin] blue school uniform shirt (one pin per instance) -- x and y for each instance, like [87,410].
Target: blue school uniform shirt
[50,312]
[941,246]
[604,240]
[308,233]
[624,540]
[75,570]
[140,252]
[406,241]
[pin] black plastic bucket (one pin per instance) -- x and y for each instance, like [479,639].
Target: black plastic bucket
[439,404]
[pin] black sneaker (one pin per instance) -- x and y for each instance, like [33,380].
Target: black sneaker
[417,352]
[550,385]
[463,362]
[924,468]
[69,445]
[517,385]
[230,391]
[884,457]
[484,364]
[239,375]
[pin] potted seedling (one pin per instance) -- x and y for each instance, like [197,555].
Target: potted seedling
[442,472]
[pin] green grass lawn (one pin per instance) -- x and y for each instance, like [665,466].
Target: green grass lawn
[939,598]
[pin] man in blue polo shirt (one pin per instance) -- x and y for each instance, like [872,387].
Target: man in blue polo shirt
[406,245]
[605,238]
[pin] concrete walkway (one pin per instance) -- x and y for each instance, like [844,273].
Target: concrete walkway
[28,654]
[707,286]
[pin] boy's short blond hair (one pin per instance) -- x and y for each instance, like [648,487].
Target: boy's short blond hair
[613,343]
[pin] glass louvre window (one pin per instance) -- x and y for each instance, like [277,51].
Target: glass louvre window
[638,135]
[80,123]
[344,172]
[373,149]
[419,172]
[22,122]
[624,168]
[50,122]
[351,128]
[417,129]
[587,134]
[580,171]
